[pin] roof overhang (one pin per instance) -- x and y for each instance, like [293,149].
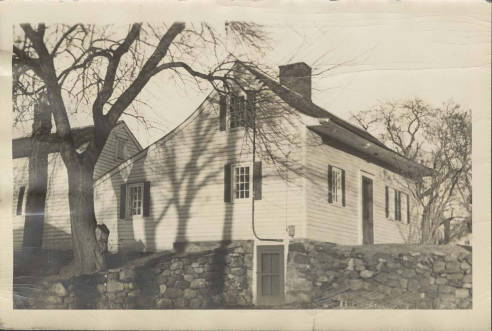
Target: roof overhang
[342,138]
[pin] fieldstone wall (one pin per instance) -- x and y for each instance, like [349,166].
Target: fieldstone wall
[200,276]
[323,275]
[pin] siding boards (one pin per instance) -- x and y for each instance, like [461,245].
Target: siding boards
[342,225]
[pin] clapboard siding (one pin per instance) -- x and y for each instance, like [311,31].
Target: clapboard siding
[186,174]
[343,225]
[57,229]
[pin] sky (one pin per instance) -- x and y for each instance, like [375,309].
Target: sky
[361,56]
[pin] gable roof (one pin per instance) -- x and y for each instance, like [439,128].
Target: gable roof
[21,147]
[343,132]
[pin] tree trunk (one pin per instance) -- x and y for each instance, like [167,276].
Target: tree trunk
[88,255]
[37,179]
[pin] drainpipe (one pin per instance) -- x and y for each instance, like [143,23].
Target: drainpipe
[252,98]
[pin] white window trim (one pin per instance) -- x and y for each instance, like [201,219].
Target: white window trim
[129,201]
[233,182]
[339,201]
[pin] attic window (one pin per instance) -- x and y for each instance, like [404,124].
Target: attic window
[120,149]
[237,111]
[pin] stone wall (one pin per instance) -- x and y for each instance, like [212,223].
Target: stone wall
[322,275]
[199,276]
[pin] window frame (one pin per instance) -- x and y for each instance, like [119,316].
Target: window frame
[241,100]
[129,201]
[394,213]
[233,181]
[336,187]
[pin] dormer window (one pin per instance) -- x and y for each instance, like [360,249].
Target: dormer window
[237,111]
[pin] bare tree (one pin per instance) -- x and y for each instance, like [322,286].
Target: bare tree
[440,138]
[105,70]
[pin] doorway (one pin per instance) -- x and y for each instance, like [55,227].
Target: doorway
[270,274]
[367,213]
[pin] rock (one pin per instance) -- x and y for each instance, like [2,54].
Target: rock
[164,303]
[301,258]
[188,278]
[413,285]
[53,299]
[432,280]
[189,293]
[59,289]
[462,293]
[467,279]
[465,266]
[439,266]
[455,277]
[350,265]
[453,267]
[162,288]
[173,293]
[198,283]
[114,286]
[127,274]
[356,284]
[101,288]
[441,281]
[404,283]
[176,265]
[195,303]
[446,289]
[366,274]
[467,285]
[439,253]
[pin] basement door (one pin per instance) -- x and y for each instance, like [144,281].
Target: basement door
[270,274]
[367,217]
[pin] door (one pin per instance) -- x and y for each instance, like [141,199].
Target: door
[367,218]
[270,275]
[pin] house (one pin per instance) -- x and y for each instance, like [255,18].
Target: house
[201,183]
[54,232]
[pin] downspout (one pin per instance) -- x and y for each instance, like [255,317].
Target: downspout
[253,111]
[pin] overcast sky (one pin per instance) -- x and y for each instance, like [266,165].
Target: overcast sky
[389,51]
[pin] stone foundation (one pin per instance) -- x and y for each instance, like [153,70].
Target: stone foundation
[323,275]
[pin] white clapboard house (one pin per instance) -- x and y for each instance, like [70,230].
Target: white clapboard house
[198,183]
[55,230]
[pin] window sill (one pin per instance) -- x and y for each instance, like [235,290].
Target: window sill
[338,205]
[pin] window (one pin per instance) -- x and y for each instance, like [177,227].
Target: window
[237,111]
[20,200]
[120,149]
[241,182]
[135,199]
[336,186]
[393,204]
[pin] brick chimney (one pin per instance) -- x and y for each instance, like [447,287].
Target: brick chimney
[297,77]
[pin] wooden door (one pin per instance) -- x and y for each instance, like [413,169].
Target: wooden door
[367,217]
[270,275]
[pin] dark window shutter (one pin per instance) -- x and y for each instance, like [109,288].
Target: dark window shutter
[386,203]
[257,174]
[330,184]
[20,199]
[408,208]
[343,187]
[122,201]
[146,202]
[227,183]
[223,112]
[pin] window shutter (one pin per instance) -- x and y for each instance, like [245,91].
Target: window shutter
[257,180]
[330,184]
[227,183]
[408,209]
[343,187]
[223,112]
[20,199]
[386,203]
[122,201]
[146,201]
